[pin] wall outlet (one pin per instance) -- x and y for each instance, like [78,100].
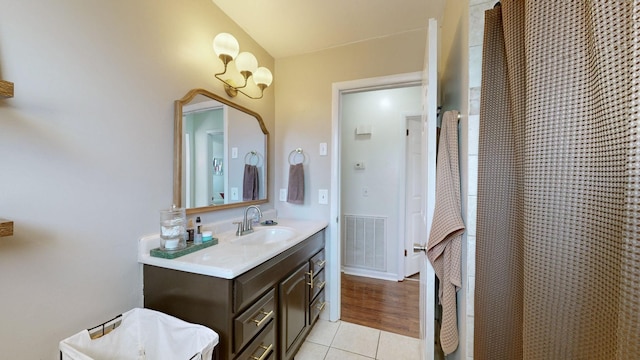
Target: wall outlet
[323,196]
[283,194]
[323,149]
[234,193]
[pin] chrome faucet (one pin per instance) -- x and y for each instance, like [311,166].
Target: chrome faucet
[246,226]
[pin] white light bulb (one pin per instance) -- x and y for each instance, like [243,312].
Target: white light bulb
[246,62]
[226,44]
[263,76]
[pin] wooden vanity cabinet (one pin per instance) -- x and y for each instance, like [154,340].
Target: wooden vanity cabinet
[294,311]
[263,314]
[316,289]
[301,301]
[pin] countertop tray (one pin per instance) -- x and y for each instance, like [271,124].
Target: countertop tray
[191,247]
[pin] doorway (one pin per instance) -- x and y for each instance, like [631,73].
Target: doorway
[373,184]
[375,150]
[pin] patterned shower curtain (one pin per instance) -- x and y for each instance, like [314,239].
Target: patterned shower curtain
[558,226]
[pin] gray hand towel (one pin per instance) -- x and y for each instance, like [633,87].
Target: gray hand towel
[295,193]
[250,183]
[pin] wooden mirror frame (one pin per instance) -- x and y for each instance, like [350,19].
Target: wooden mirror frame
[177,152]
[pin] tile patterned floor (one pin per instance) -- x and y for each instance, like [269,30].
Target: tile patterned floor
[346,341]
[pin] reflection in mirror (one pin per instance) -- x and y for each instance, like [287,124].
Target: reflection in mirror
[220,154]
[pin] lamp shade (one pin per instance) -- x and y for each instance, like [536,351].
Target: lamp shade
[262,76]
[246,62]
[225,44]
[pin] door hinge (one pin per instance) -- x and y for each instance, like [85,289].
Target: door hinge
[407,132]
[405,252]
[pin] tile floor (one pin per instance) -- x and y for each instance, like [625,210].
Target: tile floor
[346,341]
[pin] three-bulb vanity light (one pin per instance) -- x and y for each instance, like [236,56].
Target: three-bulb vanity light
[227,49]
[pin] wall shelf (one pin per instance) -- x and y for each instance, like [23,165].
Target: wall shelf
[6,227]
[6,89]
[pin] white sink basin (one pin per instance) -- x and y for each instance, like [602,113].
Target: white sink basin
[234,255]
[264,236]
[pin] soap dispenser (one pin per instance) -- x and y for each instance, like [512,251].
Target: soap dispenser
[190,230]
[197,238]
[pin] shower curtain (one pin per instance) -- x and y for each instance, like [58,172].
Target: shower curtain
[558,225]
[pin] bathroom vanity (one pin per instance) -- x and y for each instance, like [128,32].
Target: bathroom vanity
[261,294]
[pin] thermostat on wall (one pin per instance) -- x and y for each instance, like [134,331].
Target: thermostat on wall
[363,130]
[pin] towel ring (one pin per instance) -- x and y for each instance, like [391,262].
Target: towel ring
[294,158]
[250,157]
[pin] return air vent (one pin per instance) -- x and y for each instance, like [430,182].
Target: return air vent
[364,242]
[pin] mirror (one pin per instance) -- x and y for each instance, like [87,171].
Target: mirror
[220,154]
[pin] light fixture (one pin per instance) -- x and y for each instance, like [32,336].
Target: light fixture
[227,49]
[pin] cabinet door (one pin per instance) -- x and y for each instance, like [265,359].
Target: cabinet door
[294,310]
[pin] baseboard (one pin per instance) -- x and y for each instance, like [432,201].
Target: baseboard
[370,273]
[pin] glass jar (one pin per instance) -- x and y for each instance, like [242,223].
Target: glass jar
[173,229]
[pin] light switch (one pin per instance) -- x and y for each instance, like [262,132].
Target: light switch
[234,193]
[283,194]
[365,191]
[323,149]
[359,165]
[234,152]
[323,196]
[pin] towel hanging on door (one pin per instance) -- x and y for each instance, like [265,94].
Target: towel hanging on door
[444,248]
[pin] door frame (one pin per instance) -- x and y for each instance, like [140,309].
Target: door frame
[334,248]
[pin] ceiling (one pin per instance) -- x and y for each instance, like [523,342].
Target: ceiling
[292,27]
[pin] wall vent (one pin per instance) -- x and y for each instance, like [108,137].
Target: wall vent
[364,242]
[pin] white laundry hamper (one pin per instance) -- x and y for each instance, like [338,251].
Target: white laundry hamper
[141,334]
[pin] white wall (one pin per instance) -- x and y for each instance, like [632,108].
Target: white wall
[383,153]
[86,149]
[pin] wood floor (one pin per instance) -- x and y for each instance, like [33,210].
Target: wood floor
[381,304]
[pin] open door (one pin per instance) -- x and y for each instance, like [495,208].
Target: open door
[414,188]
[429,120]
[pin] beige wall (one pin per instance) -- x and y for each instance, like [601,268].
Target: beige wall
[454,88]
[86,144]
[86,150]
[303,104]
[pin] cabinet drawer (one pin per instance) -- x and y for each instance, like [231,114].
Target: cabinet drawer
[316,307]
[318,284]
[248,286]
[252,320]
[317,262]
[263,347]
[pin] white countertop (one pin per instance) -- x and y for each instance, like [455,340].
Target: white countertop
[230,257]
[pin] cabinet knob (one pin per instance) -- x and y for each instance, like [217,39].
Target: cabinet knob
[320,307]
[321,285]
[267,350]
[310,283]
[267,315]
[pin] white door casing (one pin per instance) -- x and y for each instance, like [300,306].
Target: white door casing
[430,121]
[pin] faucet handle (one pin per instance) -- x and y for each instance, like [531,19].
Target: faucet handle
[239,231]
